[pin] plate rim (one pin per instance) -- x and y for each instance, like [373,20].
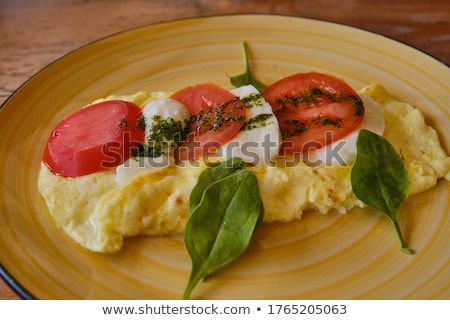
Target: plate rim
[14,283]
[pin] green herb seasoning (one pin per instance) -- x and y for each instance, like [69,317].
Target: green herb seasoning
[315,95]
[141,123]
[123,124]
[253,100]
[215,118]
[162,135]
[325,121]
[293,128]
[258,121]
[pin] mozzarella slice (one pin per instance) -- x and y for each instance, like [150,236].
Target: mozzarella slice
[260,138]
[164,109]
[153,112]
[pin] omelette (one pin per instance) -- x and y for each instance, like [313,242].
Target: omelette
[100,210]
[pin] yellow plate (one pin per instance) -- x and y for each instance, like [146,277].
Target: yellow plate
[352,256]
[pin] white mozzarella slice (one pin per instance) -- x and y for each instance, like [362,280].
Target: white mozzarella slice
[162,109]
[259,140]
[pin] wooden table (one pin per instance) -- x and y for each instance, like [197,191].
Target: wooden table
[35,33]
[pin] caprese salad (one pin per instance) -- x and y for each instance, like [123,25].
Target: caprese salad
[296,115]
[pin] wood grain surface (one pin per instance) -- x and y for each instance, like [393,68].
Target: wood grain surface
[35,33]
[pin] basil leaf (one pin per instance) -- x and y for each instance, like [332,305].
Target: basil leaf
[210,175]
[221,225]
[379,178]
[246,78]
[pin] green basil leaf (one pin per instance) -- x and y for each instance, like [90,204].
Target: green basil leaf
[221,225]
[379,178]
[246,78]
[210,175]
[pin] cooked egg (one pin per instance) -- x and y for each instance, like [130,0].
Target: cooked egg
[99,213]
[417,142]
[137,165]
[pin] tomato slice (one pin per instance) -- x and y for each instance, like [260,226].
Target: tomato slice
[93,139]
[313,110]
[216,116]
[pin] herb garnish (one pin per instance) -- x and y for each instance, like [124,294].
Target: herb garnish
[253,100]
[215,118]
[161,135]
[315,95]
[246,78]
[379,178]
[226,208]
[258,121]
[325,121]
[123,123]
[141,122]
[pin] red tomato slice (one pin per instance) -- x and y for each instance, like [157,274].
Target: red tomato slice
[313,110]
[93,139]
[216,116]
